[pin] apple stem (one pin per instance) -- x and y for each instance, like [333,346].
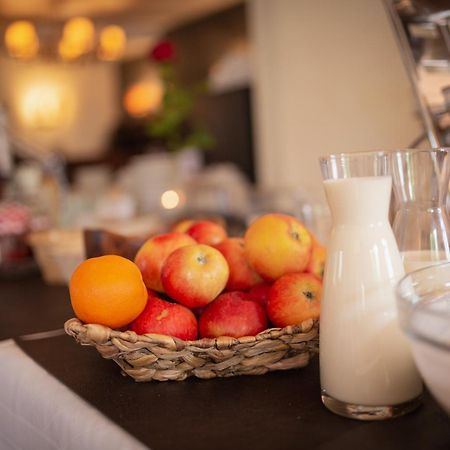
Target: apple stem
[309,295]
[201,259]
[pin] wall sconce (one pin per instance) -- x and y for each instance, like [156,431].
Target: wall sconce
[112,43]
[41,106]
[143,98]
[21,39]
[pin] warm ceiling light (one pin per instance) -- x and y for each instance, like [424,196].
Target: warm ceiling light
[78,38]
[21,39]
[143,98]
[112,43]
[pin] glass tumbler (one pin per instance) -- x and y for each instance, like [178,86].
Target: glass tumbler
[366,368]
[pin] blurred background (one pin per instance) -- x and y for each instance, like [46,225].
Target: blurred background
[118,117]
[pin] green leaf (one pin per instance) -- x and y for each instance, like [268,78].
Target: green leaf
[201,139]
[171,123]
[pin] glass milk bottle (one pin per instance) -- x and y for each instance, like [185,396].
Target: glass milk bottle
[366,369]
[421,225]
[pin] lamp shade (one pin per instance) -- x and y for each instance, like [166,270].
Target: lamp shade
[41,106]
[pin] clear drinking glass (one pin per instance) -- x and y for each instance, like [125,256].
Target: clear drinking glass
[366,368]
[421,225]
[423,300]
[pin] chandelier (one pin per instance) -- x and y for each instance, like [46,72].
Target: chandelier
[79,39]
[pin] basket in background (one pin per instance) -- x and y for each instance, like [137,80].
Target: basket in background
[58,253]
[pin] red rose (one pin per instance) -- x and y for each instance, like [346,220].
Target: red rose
[163,51]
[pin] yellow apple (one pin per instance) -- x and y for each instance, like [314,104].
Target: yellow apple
[277,244]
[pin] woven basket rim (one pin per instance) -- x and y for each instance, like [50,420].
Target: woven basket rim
[100,334]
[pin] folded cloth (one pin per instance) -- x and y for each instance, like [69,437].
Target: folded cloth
[38,412]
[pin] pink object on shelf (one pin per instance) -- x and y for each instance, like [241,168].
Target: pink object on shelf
[14,219]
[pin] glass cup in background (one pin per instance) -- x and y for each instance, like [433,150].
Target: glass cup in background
[423,300]
[421,225]
[367,371]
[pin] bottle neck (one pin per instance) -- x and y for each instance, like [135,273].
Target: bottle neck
[428,193]
[359,201]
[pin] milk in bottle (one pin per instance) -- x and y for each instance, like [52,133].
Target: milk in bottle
[366,367]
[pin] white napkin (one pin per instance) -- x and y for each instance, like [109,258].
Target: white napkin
[40,413]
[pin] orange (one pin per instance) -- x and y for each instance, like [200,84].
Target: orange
[107,290]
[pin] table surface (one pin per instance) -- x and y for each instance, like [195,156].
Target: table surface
[278,410]
[28,305]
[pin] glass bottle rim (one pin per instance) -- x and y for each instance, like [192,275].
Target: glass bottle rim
[420,150]
[340,155]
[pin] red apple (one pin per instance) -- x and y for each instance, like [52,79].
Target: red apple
[316,264]
[161,317]
[293,298]
[207,232]
[199,311]
[232,314]
[276,244]
[242,275]
[154,252]
[194,275]
[260,293]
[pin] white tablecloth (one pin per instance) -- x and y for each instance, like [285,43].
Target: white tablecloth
[37,412]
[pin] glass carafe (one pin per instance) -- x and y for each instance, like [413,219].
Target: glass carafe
[366,369]
[421,225]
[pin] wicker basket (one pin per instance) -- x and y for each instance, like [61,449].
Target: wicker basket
[157,357]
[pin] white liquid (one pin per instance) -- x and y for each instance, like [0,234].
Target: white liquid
[414,260]
[364,357]
[434,365]
[433,356]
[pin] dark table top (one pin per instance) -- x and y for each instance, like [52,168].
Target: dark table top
[28,305]
[280,410]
